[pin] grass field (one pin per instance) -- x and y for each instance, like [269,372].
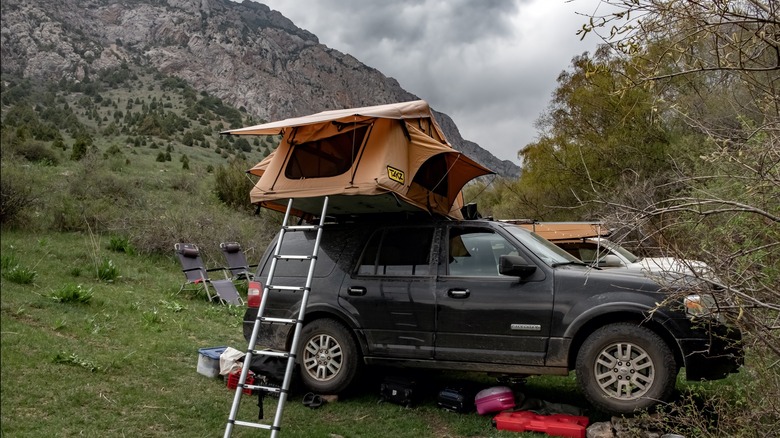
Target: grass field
[123,363]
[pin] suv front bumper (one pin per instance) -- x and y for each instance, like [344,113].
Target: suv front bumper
[713,357]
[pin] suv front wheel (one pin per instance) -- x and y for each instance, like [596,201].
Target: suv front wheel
[625,367]
[328,356]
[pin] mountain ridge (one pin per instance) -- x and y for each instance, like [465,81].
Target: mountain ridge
[244,53]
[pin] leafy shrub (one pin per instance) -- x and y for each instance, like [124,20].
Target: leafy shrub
[98,199]
[37,152]
[173,306]
[80,148]
[152,319]
[207,225]
[20,275]
[71,293]
[75,360]
[232,185]
[8,261]
[106,270]
[120,244]
[16,195]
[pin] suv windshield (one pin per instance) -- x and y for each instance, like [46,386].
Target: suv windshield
[546,250]
[620,250]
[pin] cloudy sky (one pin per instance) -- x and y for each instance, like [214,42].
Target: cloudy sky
[491,65]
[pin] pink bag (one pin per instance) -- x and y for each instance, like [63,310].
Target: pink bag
[497,398]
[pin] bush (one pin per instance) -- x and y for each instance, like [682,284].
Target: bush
[16,195]
[232,185]
[75,360]
[7,262]
[208,226]
[20,275]
[71,293]
[37,152]
[106,270]
[96,197]
[120,244]
[80,147]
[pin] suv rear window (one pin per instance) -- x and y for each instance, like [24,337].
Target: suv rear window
[397,252]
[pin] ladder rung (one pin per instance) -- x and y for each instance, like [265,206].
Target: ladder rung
[250,424]
[294,257]
[272,389]
[278,320]
[272,353]
[288,288]
[301,227]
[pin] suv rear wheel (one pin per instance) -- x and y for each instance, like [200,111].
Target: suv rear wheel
[624,367]
[328,355]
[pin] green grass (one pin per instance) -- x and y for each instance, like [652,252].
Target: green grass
[124,363]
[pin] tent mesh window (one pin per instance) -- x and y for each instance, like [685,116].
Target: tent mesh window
[325,157]
[431,175]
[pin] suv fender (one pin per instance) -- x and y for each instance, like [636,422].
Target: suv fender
[563,350]
[323,310]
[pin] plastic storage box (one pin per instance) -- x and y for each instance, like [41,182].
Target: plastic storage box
[564,425]
[208,361]
[497,398]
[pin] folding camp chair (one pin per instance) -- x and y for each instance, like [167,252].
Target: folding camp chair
[198,276]
[236,261]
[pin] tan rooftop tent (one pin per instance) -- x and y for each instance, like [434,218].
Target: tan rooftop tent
[563,231]
[378,159]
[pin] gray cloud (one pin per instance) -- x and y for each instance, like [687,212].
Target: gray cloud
[491,65]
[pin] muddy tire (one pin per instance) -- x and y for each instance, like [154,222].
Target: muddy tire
[329,358]
[623,367]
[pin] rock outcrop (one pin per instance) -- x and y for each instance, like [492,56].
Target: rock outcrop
[243,53]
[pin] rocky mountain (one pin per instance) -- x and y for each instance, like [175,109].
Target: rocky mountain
[243,53]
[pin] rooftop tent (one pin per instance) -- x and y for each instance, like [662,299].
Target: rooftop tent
[386,158]
[563,231]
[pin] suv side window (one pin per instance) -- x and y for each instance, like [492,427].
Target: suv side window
[397,251]
[475,252]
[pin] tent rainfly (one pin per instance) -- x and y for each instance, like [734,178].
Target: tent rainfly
[378,159]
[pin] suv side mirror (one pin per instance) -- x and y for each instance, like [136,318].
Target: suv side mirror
[610,261]
[515,266]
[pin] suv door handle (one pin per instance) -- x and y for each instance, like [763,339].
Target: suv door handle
[458,293]
[356,291]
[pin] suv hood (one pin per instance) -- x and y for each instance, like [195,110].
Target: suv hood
[656,265]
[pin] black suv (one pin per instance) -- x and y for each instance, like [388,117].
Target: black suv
[485,296]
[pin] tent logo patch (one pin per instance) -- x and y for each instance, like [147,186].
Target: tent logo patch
[395,174]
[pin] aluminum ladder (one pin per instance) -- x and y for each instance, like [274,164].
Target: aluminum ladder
[269,285]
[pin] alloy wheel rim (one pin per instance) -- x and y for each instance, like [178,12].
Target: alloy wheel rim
[322,357]
[624,371]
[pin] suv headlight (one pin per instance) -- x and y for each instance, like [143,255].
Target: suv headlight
[702,306]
